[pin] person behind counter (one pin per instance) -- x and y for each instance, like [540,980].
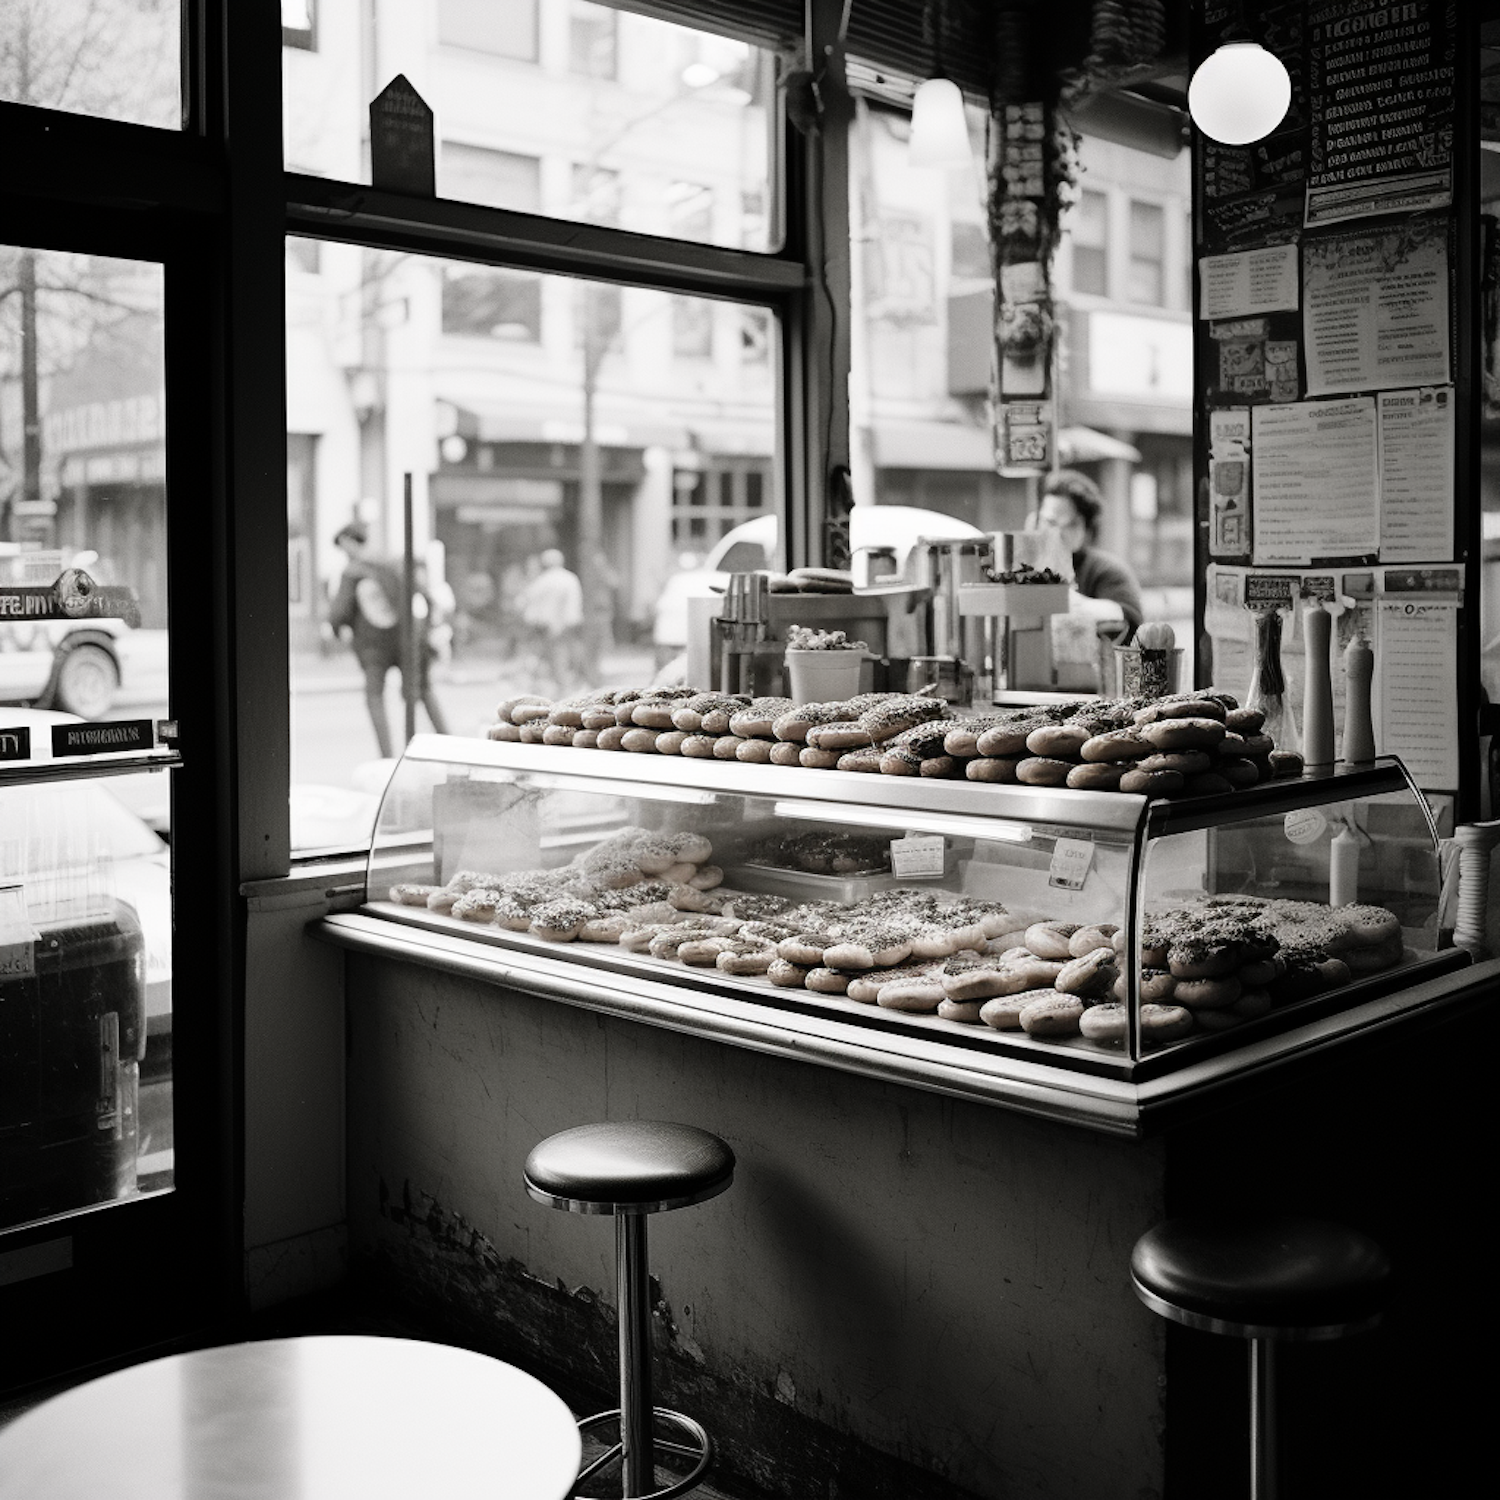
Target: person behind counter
[1071,506]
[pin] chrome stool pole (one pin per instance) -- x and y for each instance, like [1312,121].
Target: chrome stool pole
[632,1169]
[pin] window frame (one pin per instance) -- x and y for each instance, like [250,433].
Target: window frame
[225,166]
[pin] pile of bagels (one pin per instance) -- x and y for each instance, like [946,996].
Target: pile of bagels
[1188,744]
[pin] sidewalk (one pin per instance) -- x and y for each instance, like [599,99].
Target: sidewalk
[338,672]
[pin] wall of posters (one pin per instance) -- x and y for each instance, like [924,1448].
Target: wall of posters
[1327,418]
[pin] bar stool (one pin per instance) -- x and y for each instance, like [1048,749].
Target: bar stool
[631,1169]
[1267,1279]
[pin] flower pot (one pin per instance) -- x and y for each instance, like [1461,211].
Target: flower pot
[823,676]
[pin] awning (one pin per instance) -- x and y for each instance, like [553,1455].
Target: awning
[513,422]
[1082,445]
[933,445]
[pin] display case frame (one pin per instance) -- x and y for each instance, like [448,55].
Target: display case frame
[953,808]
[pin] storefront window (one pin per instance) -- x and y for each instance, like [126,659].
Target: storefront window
[85,867]
[551,106]
[551,427]
[118,59]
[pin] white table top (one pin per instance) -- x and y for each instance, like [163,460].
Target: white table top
[329,1418]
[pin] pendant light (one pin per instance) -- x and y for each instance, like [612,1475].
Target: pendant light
[939,130]
[939,127]
[1240,94]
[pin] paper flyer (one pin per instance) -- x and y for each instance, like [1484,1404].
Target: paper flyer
[1375,308]
[1248,282]
[1314,481]
[1416,687]
[1416,475]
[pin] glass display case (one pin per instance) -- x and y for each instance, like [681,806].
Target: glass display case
[1096,931]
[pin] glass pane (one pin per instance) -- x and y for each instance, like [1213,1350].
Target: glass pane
[85,874]
[922,354]
[556,107]
[586,460]
[1345,892]
[1147,253]
[119,59]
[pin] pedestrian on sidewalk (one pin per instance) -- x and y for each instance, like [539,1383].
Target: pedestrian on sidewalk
[366,613]
[551,608]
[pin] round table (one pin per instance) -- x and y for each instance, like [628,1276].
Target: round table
[328,1418]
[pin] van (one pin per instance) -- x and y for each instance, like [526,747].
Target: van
[755,545]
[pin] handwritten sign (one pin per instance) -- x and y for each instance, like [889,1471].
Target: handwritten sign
[918,857]
[1071,860]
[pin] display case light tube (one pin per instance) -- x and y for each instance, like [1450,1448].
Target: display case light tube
[905,821]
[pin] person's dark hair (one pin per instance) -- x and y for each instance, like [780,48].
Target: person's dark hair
[1082,491]
[355,531]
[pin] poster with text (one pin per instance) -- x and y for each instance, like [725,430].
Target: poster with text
[1381,93]
[1375,308]
[1314,483]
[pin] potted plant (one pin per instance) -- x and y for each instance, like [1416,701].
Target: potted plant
[822,666]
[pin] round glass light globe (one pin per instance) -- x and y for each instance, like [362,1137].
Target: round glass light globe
[1240,94]
[939,130]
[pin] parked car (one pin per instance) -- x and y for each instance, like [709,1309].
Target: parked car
[753,545]
[69,665]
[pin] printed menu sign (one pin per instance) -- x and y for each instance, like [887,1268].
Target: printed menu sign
[1416,475]
[1249,282]
[1375,308]
[1314,481]
[1416,644]
[1381,89]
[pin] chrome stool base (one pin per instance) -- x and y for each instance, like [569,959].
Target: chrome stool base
[700,1448]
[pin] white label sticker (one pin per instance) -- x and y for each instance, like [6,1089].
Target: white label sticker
[1306,826]
[918,857]
[1071,859]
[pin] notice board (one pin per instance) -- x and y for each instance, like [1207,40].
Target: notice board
[1328,388]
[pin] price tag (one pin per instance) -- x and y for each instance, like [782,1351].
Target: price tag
[918,857]
[1306,826]
[1071,859]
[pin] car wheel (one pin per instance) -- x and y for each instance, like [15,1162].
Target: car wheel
[86,681]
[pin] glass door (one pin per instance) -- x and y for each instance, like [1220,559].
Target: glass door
[101,1249]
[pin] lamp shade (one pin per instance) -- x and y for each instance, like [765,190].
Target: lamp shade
[939,130]
[1240,94]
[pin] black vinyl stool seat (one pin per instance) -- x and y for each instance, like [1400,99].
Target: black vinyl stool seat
[632,1168]
[1267,1279]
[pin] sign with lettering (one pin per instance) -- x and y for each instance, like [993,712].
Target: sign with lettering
[15,742]
[103,738]
[1382,88]
[918,857]
[73,596]
[401,150]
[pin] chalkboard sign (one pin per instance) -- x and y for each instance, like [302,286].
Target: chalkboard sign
[1381,79]
[401,149]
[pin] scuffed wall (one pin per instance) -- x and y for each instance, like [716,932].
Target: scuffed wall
[900,1295]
